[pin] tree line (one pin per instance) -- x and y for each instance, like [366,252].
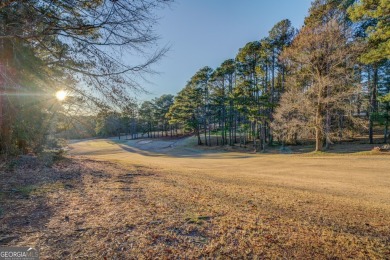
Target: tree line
[325,82]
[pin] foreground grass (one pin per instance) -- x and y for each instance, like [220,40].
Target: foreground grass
[216,205]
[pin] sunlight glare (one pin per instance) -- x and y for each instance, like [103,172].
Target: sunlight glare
[61,95]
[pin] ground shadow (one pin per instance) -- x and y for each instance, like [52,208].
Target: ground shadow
[183,152]
[184,149]
[24,188]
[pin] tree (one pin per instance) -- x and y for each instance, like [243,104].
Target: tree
[108,123]
[78,45]
[383,114]
[228,68]
[201,82]
[247,91]
[147,116]
[222,97]
[21,67]
[280,36]
[374,16]
[87,39]
[129,119]
[290,119]
[188,109]
[323,11]
[321,62]
[217,101]
[161,108]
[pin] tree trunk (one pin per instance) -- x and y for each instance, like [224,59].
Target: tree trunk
[237,117]
[327,122]
[319,139]
[273,76]
[255,135]
[7,113]
[3,124]
[209,134]
[373,103]
[198,135]
[283,78]
[319,124]
[264,137]
[205,132]
[386,131]
[341,127]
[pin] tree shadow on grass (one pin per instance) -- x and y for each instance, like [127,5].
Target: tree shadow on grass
[183,152]
[23,195]
[335,149]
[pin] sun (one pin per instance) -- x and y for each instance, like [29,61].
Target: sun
[61,95]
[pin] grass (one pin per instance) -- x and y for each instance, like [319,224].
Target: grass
[212,205]
[26,190]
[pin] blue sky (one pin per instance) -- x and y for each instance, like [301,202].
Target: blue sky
[207,32]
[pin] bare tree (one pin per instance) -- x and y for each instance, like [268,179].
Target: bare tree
[321,83]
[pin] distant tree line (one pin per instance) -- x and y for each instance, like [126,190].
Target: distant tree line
[328,81]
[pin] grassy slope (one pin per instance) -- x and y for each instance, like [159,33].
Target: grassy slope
[219,204]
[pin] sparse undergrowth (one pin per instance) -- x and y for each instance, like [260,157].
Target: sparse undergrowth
[82,208]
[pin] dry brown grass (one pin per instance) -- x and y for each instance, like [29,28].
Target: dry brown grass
[221,205]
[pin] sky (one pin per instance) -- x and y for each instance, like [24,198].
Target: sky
[207,32]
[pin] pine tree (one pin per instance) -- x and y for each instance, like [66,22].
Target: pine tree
[374,16]
[188,109]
